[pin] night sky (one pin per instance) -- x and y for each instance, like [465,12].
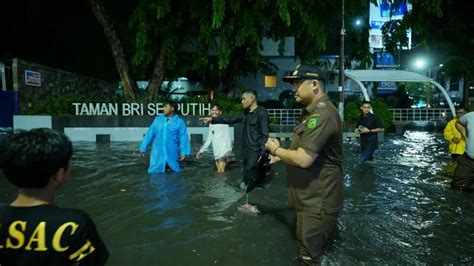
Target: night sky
[56,33]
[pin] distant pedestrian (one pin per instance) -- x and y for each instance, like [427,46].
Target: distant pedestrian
[219,136]
[368,126]
[453,136]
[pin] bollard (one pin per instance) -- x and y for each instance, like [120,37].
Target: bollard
[399,130]
[197,138]
[102,138]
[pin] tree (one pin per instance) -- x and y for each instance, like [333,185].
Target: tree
[123,67]
[219,41]
[183,37]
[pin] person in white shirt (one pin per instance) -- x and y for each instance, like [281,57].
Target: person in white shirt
[219,136]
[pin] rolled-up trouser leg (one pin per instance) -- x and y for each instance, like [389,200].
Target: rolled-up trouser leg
[312,232]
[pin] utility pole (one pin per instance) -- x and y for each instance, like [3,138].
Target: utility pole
[341,66]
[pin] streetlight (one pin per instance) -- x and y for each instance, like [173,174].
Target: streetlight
[341,66]
[420,63]
[425,66]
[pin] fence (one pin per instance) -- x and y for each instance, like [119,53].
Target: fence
[289,117]
[425,114]
[284,117]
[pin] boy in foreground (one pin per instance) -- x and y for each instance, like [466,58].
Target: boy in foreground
[33,231]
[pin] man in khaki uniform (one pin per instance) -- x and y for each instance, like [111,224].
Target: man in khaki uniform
[313,161]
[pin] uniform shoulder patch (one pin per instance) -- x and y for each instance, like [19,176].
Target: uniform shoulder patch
[312,122]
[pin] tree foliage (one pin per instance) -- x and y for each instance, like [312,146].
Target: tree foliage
[217,41]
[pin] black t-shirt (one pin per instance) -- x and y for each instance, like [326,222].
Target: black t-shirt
[49,235]
[370,121]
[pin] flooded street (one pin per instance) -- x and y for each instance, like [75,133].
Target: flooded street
[398,210]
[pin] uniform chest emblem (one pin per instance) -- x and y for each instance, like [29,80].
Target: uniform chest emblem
[312,122]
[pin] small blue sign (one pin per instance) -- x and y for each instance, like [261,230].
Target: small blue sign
[32,78]
[376,24]
[384,60]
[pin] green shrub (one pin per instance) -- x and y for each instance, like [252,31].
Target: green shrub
[231,106]
[381,109]
[62,105]
[352,111]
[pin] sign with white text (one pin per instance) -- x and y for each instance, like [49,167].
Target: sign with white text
[129,109]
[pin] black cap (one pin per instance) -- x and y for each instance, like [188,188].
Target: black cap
[306,72]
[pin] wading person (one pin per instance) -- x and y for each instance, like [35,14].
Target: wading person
[219,136]
[169,141]
[453,136]
[314,172]
[254,136]
[464,174]
[368,127]
[33,231]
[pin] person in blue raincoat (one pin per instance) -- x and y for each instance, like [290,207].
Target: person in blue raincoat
[169,141]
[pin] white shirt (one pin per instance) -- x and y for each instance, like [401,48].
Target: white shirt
[219,135]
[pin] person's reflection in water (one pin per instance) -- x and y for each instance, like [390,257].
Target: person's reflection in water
[363,178]
[450,167]
[219,198]
[167,198]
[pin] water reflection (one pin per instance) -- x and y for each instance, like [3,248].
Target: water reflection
[165,196]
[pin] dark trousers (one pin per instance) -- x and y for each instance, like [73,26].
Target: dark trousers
[250,171]
[464,174]
[312,232]
[454,156]
[367,154]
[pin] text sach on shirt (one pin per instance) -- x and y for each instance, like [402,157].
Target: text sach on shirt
[16,238]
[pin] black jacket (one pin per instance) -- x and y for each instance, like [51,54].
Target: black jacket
[255,132]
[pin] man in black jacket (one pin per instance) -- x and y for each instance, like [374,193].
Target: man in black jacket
[255,135]
[368,126]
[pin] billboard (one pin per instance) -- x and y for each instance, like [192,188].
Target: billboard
[385,11]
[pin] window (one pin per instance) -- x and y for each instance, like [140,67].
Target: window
[270,81]
[454,84]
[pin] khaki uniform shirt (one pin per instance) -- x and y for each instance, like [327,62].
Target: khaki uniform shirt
[318,188]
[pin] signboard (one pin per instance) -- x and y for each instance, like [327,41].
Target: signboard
[386,87]
[32,78]
[384,60]
[385,11]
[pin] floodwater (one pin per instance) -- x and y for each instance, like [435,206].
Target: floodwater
[398,210]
